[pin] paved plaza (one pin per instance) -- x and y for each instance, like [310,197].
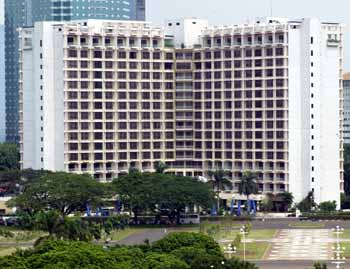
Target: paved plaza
[302,244]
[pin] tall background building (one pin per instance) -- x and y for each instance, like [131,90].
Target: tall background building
[2,73]
[346,85]
[265,96]
[22,13]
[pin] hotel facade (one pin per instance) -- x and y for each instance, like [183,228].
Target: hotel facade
[101,97]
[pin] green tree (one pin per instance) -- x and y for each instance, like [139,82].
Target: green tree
[161,168]
[49,221]
[174,193]
[161,193]
[286,199]
[13,182]
[181,251]
[136,191]
[318,265]
[220,182]
[9,156]
[164,261]
[345,201]
[266,204]
[308,203]
[248,184]
[328,206]
[63,192]
[175,241]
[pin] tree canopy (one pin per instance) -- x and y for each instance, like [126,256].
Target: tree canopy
[59,191]
[164,193]
[9,156]
[248,184]
[308,203]
[179,251]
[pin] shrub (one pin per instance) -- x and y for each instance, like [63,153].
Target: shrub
[179,240]
[164,261]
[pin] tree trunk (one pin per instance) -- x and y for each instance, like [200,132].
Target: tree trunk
[218,203]
[248,206]
[135,216]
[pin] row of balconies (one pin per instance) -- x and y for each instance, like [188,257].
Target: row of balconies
[110,166]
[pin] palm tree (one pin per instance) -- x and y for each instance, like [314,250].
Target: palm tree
[220,182]
[286,199]
[161,168]
[248,184]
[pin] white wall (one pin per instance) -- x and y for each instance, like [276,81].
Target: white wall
[296,177]
[53,96]
[29,129]
[314,113]
[43,106]
[330,121]
[186,31]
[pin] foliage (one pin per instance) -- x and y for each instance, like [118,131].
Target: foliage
[48,221]
[307,204]
[318,265]
[14,181]
[219,180]
[6,233]
[164,261]
[328,206]
[178,240]
[161,168]
[287,199]
[248,185]
[345,201]
[9,156]
[63,192]
[237,241]
[161,193]
[266,205]
[135,191]
[185,254]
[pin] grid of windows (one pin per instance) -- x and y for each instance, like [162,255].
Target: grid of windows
[132,102]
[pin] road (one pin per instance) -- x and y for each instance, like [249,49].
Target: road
[151,235]
[293,265]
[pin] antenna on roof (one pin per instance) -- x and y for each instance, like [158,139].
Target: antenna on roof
[271,8]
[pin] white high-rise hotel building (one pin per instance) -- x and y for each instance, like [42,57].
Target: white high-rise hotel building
[265,96]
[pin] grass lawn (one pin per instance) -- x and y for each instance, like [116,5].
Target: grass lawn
[121,234]
[262,234]
[344,235]
[6,251]
[22,236]
[254,251]
[254,234]
[347,249]
[311,225]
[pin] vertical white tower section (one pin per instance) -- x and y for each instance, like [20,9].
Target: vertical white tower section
[315,109]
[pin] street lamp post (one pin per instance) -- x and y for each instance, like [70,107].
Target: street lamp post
[229,250]
[338,260]
[243,233]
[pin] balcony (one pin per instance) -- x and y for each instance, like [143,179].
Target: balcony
[184,107]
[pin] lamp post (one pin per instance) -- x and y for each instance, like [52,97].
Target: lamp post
[243,233]
[229,250]
[338,260]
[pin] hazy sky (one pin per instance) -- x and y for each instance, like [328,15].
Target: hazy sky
[237,11]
